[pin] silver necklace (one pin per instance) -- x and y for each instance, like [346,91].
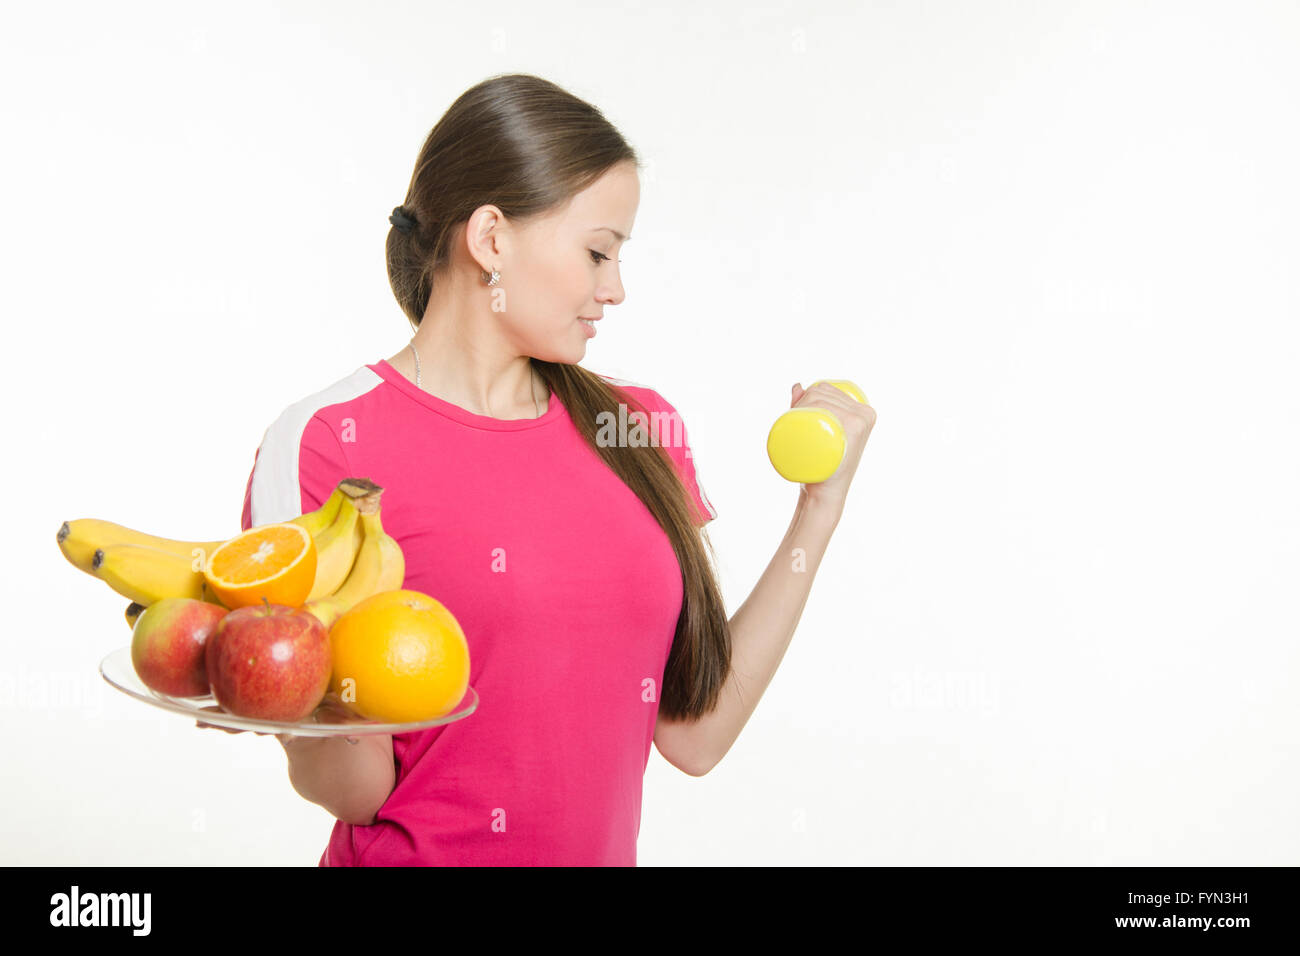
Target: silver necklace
[536,407]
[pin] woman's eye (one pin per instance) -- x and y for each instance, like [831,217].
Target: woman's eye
[598,257]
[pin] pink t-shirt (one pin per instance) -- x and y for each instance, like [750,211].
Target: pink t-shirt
[565,585]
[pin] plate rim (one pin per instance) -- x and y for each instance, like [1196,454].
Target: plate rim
[121,659]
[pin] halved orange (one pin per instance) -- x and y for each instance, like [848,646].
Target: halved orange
[272,561]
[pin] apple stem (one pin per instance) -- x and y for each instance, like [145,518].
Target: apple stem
[266,603]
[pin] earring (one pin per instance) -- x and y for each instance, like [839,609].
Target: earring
[496,277]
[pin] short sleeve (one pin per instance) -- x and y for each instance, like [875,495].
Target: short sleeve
[295,470]
[672,436]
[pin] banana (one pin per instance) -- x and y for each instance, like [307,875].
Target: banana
[79,539]
[317,521]
[393,575]
[379,566]
[146,575]
[132,612]
[336,549]
[147,568]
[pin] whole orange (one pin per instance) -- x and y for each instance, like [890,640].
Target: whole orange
[399,656]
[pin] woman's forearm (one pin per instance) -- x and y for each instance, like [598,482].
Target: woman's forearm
[761,630]
[351,781]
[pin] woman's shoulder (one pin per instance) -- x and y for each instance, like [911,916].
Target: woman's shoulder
[351,386]
[669,430]
[642,392]
[295,416]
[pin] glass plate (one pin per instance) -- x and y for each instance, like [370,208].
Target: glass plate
[331,719]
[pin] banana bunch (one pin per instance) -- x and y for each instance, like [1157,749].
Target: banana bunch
[146,568]
[379,566]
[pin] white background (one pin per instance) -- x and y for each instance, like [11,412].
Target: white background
[1055,243]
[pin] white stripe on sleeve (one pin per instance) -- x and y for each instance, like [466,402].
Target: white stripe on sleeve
[276,494]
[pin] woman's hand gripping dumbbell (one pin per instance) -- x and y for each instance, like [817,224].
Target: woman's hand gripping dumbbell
[819,441]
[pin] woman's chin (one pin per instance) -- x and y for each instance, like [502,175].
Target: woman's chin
[571,353]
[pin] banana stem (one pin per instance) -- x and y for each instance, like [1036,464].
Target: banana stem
[357,488]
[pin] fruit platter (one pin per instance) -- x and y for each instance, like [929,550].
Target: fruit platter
[301,627]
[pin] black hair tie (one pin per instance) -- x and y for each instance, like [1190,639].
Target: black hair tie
[401,220]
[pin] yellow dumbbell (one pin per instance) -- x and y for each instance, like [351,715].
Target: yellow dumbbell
[807,444]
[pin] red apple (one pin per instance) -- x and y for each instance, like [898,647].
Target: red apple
[169,643]
[270,661]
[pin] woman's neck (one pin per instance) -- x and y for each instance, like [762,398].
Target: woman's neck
[470,392]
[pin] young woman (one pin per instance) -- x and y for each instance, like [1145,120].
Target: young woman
[572,554]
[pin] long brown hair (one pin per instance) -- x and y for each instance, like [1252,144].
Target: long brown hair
[527,146]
